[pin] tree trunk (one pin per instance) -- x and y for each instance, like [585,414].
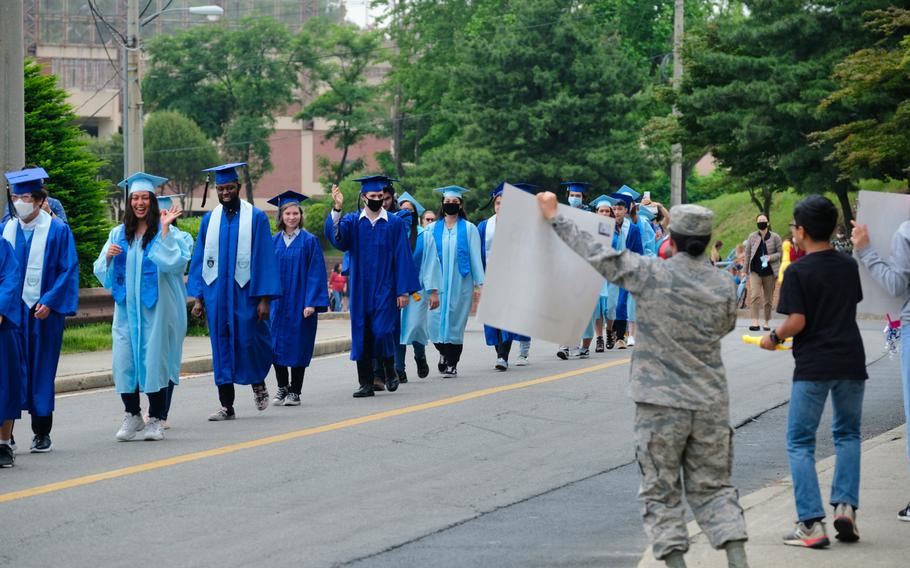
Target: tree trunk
[843,196]
[247,179]
[397,134]
[767,195]
[339,173]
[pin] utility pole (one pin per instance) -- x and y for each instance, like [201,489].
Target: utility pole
[133,156]
[676,153]
[12,91]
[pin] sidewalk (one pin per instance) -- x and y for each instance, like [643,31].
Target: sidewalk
[770,512]
[81,371]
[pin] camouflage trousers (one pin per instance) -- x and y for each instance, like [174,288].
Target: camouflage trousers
[674,446]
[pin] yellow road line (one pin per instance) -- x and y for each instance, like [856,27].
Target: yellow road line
[195,456]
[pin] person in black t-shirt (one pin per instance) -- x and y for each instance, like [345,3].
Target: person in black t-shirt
[819,297]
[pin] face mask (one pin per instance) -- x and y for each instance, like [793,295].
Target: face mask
[575,202]
[451,208]
[23,209]
[762,226]
[374,205]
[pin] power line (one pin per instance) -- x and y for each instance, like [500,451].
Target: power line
[95,18]
[101,106]
[95,94]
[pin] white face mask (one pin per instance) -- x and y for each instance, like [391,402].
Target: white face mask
[23,209]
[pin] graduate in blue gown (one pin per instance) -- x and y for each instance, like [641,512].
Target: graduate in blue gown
[626,304]
[301,269]
[143,264]
[627,235]
[49,277]
[232,278]
[381,278]
[603,206]
[454,243]
[414,330]
[576,192]
[12,362]
[498,338]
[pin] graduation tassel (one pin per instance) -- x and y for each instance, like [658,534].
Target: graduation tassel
[205,192]
[9,203]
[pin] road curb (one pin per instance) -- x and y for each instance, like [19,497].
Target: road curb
[784,486]
[191,366]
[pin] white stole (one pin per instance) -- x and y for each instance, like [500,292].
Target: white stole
[34,268]
[244,245]
[488,235]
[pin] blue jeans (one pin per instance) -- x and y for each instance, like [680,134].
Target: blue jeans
[420,352]
[807,401]
[339,304]
[905,377]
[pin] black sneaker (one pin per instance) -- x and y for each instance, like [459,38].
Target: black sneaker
[563,353]
[42,444]
[450,373]
[441,365]
[7,457]
[391,384]
[599,346]
[364,392]
[280,395]
[292,399]
[423,369]
[611,340]
[904,514]
[402,376]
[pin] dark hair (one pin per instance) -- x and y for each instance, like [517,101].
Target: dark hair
[689,244]
[415,221]
[817,215]
[152,218]
[336,268]
[39,194]
[718,244]
[281,215]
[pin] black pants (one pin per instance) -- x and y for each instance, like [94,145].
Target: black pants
[365,365]
[451,352]
[503,348]
[157,403]
[619,328]
[281,373]
[226,394]
[167,400]
[41,425]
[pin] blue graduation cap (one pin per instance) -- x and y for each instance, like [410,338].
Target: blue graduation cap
[286,197]
[141,181]
[645,214]
[226,173]
[603,199]
[576,186]
[452,191]
[524,186]
[374,183]
[410,199]
[26,181]
[625,198]
[630,192]
[167,201]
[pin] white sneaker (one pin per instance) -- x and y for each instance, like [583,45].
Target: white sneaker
[153,430]
[501,364]
[631,341]
[132,424]
[521,362]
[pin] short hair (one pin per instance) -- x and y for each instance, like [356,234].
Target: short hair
[39,194]
[817,215]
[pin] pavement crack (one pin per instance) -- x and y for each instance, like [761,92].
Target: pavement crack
[480,515]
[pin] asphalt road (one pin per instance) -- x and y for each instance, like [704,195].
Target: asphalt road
[532,467]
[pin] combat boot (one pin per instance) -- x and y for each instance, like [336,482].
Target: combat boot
[736,554]
[675,559]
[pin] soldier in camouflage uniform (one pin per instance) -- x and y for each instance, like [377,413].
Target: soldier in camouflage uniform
[682,428]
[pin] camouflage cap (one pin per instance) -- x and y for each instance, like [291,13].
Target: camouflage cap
[691,220]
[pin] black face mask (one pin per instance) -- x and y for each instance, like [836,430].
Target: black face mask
[374,204]
[762,226]
[451,208]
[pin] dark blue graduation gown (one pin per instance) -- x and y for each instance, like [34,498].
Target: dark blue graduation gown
[303,278]
[492,335]
[12,361]
[381,269]
[241,344]
[634,244]
[42,339]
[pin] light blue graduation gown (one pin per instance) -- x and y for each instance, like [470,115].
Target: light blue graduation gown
[414,316]
[303,277]
[381,269]
[148,341]
[241,344]
[456,292]
[12,361]
[43,339]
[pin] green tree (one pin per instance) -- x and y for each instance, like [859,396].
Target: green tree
[176,148]
[337,57]
[53,142]
[109,152]
[753,84]
[875,84]
[231,81]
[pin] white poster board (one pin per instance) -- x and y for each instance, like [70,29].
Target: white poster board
[883,213]
[535,285]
